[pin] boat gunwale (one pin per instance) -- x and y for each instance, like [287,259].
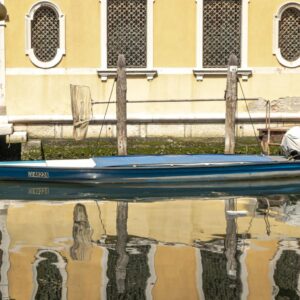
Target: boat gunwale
[155,166]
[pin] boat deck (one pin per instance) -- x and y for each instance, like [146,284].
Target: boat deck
[149,160]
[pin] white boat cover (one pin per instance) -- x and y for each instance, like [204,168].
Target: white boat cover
[290,143]
[205,159]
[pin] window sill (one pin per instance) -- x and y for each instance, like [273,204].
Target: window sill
[105,73]
[200,73]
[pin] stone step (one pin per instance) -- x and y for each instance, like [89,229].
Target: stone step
[17,137]
[6,129]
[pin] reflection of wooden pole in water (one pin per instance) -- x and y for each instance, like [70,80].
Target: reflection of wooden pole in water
[122,236]
[82,234]
[230,240]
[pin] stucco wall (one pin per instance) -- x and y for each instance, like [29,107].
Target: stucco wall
[31,91]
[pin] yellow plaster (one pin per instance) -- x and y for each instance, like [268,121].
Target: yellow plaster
[50,94]
[175,269]
[85,278]
[259,284]
[174,33]
[20,273]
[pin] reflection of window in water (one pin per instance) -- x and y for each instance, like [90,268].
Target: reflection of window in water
[50,276]
[286,275]
[216,283]
[137,274]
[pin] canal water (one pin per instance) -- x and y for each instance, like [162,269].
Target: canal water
[173,242]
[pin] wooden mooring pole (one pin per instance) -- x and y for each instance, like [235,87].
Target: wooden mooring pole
[122,208]
[231,104]
[121,105]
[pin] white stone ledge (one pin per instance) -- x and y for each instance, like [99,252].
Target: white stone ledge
[105,73]
[140,117]
[200,73]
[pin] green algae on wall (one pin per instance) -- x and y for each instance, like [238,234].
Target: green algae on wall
[65,149]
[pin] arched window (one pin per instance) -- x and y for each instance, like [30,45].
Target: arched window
[45,35]
[287,35]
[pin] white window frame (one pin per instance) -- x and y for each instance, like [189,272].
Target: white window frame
[61,51]
[104,72]
[200,71]
[276,49]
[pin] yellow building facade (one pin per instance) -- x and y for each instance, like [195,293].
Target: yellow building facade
[177,54]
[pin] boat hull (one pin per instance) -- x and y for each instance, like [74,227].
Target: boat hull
[132,174]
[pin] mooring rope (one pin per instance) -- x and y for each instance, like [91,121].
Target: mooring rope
[112,88]
[100,218]
[257,140]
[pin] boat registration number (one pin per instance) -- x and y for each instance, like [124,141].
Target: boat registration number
[34,174]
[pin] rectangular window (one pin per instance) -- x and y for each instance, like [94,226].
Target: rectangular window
[221,32]
[127,32]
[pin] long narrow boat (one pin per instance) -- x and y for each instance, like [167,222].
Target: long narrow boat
[152,169]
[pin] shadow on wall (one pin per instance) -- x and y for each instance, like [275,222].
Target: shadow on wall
[9,151]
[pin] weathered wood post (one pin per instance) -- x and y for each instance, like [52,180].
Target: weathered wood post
[121,105]
[122,207]
[231,104]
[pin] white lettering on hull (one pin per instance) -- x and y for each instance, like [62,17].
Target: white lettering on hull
[40,174]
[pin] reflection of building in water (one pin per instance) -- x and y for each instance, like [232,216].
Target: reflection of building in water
[137,273]
[216,284]
[130,271]
[49,276]
[4,254]
[177,269]
[285,271]
[284,208]
[222,270]
[292,214]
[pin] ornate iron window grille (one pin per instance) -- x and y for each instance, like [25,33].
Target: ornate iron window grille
[289,34]
[45,33]
[127,32]
[221,32]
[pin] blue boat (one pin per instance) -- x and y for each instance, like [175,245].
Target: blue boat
[152,169]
